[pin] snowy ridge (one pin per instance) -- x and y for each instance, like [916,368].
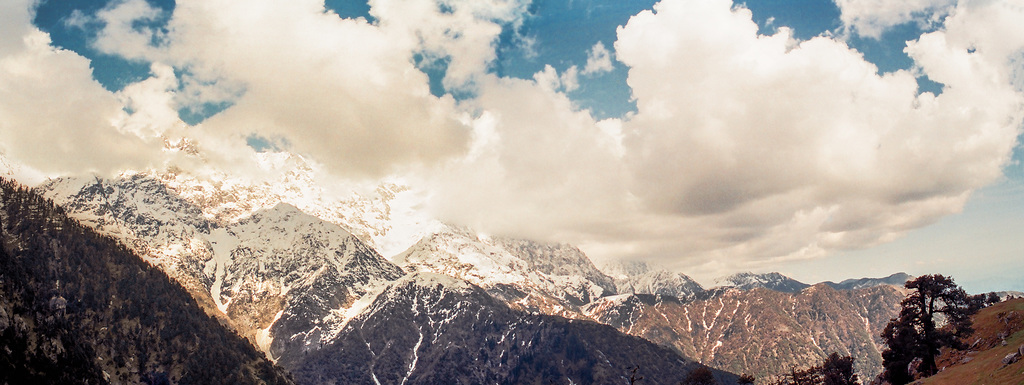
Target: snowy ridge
[309,267]
[771,281]
[640,278]
[524,272]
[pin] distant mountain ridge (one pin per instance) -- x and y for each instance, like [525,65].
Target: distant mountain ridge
[641,278]
[293,282]
[552,279]
[897,279]
[771,281]
[760,331]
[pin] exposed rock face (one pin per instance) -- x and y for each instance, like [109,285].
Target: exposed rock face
[759,331]
[433,329]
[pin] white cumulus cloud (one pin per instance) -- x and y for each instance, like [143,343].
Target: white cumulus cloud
[871,18]
[745,149]
[791,149]
[599,60]
[343,91]
[54,117]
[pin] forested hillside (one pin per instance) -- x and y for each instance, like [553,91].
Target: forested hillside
[77,307]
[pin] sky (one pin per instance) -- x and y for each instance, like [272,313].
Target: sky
[822,139]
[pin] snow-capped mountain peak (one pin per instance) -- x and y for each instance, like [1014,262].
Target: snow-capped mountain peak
[537,276]
[640,278]
[770,281]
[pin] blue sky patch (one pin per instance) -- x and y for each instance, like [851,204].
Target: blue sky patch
[350,9]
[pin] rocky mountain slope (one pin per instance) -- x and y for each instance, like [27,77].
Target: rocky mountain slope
[291,276]
[77,307]
[433,329]
[759,331]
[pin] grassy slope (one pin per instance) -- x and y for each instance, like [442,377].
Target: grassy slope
[986,366]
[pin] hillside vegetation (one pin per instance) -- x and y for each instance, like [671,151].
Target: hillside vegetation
[79,308]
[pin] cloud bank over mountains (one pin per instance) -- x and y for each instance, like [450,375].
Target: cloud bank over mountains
[745,148]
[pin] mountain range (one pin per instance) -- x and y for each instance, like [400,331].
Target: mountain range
[300,276]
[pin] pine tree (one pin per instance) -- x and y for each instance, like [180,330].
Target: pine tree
[918,335]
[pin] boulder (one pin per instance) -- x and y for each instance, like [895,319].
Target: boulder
[976,343]
[1011,358]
